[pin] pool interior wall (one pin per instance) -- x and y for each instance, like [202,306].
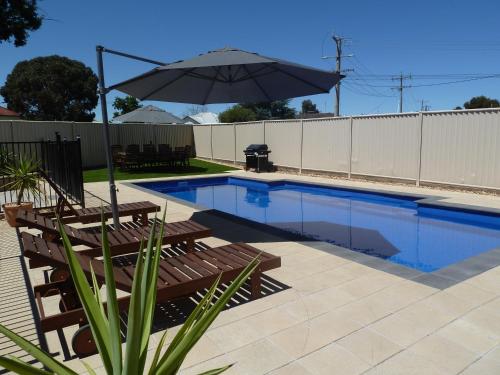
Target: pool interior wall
[393,227]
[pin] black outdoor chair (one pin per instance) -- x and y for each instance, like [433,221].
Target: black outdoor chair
[180,156]
[165,155]
[132,157]
[187,154]
[149,154]
[117,154]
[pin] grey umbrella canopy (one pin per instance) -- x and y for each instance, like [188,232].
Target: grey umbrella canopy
[228,75]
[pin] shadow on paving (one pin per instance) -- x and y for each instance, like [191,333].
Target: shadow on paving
[235,229]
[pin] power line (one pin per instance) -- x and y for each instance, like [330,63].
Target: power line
[437,83]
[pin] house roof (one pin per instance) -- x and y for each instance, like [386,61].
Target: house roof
[8,112]
[149,115]
[315,115]
[202,118]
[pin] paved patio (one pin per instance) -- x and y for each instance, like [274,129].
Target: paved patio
[332,313]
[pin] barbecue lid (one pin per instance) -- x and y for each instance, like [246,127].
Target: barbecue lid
[257,146]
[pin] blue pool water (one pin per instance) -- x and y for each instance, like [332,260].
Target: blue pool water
[391,227]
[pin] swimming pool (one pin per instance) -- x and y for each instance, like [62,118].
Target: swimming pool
[396,228]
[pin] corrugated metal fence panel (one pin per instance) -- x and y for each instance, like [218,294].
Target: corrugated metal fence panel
[246,134]
[326,145]
[283,139]
[386,146]
[462,148]
[5,132]
[173,135]
[137,134]
[202,141]
[26,131]
[223,142]
[93,154]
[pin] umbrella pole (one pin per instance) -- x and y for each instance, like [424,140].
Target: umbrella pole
[107,144]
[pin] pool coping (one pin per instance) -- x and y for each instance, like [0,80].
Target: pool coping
[440,279]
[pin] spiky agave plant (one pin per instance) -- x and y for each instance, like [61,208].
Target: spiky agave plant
[23,176]
[104,321]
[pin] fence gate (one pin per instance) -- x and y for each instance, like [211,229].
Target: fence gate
[60,159]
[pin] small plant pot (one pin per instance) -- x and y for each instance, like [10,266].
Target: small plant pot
[11,210]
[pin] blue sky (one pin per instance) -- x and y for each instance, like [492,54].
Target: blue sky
[387,37]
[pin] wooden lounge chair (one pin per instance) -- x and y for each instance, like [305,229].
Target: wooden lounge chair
[179,276]
[69,214]
[121,241]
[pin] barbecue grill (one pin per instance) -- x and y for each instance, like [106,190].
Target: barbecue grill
[257,157]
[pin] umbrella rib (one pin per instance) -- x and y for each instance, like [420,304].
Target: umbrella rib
[145,75]
[201,76]
[257,83]
[217,70]
[253,75]
[301,80]
[166,84]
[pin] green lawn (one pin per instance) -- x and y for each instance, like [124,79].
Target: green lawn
[196,167]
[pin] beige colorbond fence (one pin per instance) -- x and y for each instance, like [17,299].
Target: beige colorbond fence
[452,147]
[93,153]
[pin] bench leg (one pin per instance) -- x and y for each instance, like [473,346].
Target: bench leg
[190,245]
[144,219]
[255,284]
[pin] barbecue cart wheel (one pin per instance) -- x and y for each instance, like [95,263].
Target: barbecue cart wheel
[59,274]
[83,343]
[69,301]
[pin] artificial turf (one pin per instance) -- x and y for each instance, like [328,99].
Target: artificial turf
[196,167]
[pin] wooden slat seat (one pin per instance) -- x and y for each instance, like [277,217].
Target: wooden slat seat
[53,254]
[122,241]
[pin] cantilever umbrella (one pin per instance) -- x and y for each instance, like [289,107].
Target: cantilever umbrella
[226,75]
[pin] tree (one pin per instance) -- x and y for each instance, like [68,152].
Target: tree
[195,109]
[278,109]
[125,105]
[17,17]
[309,107]
[237,113]
[481,102]
[51,88]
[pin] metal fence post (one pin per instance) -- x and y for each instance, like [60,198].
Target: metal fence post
[349,167]
[301,143]
[264,130]
[211,142]
[234,133]
[419,156]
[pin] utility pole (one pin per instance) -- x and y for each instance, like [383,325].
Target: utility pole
[400,88]
[338,42]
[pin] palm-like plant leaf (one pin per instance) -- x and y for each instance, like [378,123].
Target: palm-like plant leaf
[23,177]
[40,355]
[105,323]
[98,323]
